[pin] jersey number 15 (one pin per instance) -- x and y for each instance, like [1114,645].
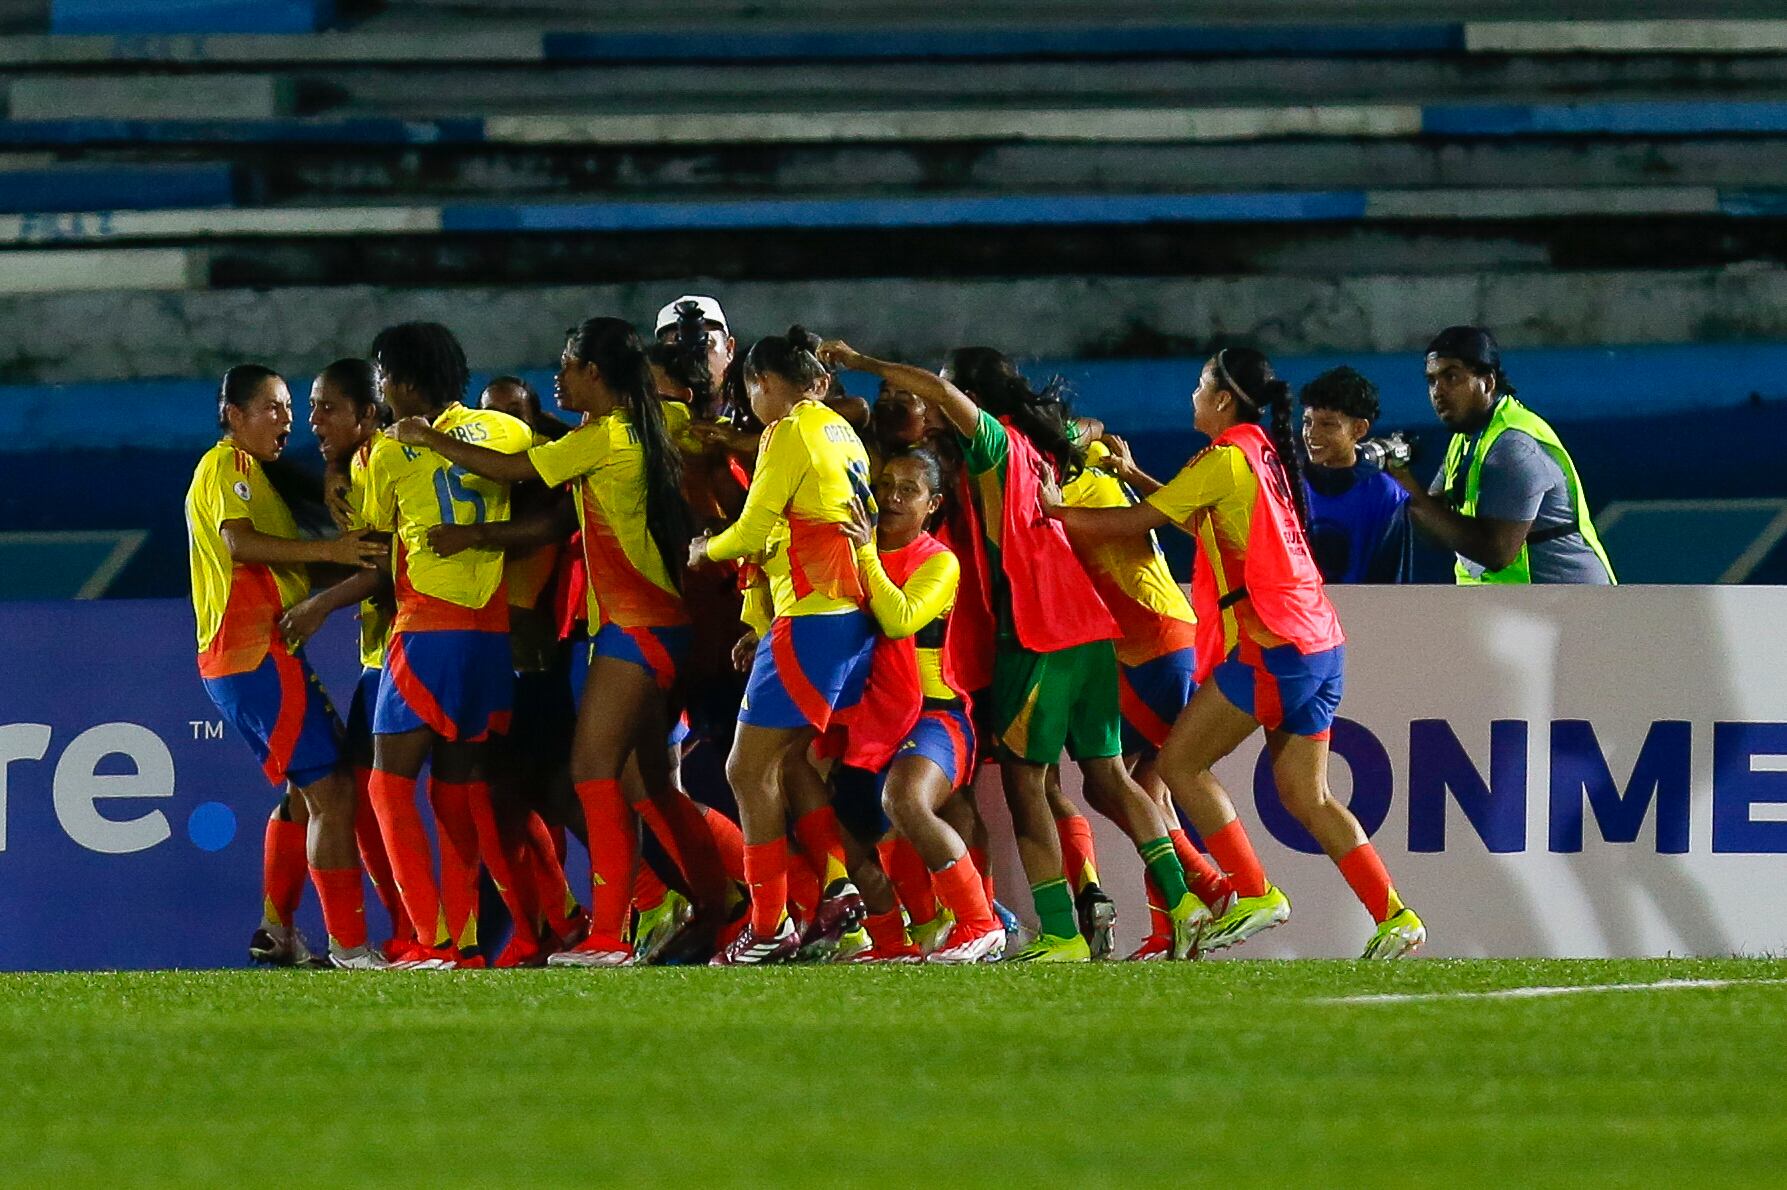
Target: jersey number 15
[451,490]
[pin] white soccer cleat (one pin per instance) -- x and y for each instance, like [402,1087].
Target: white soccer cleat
[988,947]
[590,958]
[360,958]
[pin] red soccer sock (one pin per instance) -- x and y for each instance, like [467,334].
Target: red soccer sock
[766,871]
[1078,861]
[1160,924]
[803,886]
[498,861]
[374,859]
[557,903]
[344,905]
[649,890]
[729,841]
[1370,882]
[613,847]
[963,893]
[910,878]
[822,841]
[412,866]
[1234,853]
[978,856]
[1207,884]
[282,870]
[457,832]
[888,932]
[677,822]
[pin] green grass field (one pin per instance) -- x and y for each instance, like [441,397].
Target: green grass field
[1237,1073]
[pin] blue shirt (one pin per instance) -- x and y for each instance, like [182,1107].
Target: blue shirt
[1358,525]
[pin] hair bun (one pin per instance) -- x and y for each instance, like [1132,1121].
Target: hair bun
[802,339]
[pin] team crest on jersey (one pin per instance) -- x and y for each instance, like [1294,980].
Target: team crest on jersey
[241,488]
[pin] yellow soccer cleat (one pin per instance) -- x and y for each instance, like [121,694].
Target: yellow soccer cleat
[1048,948]
[1398,935]
[1192,919]
[1249,916]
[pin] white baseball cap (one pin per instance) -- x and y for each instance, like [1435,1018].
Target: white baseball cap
[710,312]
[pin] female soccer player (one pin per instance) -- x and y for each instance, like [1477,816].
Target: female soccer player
[1156,660]
[448,680]
[913,723]
[247,569]
[345,416]
[813,660]
[635,537]
[1267,635]
[1054,666]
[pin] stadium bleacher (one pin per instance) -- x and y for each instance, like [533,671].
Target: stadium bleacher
[1333,182]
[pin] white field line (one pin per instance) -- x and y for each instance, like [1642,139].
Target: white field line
[1530,993]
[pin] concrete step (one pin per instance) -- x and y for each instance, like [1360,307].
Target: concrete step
[99,336]
[150,97]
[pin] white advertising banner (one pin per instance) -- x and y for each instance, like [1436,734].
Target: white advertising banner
[1546,771]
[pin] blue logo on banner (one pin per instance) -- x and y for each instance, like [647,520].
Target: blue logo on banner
[1494,803]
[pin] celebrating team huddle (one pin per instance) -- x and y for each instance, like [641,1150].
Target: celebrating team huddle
[853,605]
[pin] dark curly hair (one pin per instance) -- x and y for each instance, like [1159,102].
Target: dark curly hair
[1344,391]
[425,356]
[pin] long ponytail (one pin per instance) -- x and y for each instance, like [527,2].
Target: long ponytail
[1258,391]
[617,351]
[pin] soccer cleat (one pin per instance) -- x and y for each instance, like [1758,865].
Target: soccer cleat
[655,927]
[874,954]
[933,934]
[1014,929]
[840,911]
[850,945]
[1153,949]
[594,951]
[1048,948]
[360,958]
[426,958]
[519,953]
[1401,934]
[1191,921]
[987,946]
[748,950]
[1097,914]
[1247,917]
[279,946]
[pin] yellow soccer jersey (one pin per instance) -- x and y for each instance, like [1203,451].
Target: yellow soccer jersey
[375,619]
[410,489]
[809,467]
[237,605]
[628,582]
[1131,573]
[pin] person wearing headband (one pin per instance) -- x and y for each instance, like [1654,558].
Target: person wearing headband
[1508,500]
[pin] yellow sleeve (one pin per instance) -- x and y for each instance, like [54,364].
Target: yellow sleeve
[781,464]
[928,593]
[227,494]
[677,419]
[512,435]
[1199,485]
[378,498]
[759,609]
[577,453]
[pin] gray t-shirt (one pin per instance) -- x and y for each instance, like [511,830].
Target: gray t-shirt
[1522,482]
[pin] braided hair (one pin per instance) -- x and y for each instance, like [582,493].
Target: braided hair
[1258,391]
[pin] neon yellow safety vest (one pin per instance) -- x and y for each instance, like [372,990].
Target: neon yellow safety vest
[1510,414]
